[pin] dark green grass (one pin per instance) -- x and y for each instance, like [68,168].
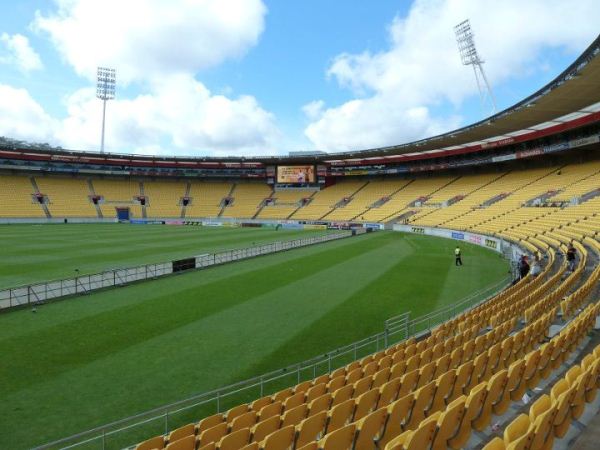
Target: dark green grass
[86,361]
[34,253]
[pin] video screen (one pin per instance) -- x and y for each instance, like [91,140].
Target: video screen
[295,174]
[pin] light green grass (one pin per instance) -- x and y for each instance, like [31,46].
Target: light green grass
[34,253]
[85,361]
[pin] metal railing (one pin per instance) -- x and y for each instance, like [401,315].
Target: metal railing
[39,293]
[128,431]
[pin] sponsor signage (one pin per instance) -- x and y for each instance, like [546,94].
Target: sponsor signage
[477,239]
[584,141]
[459,236]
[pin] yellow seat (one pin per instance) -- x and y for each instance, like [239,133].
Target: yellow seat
[260,403]
[235,412]
[408,383]
[293,400]
[463,379]
[340,415]
[245,420]
[381,377]
[495,444]
[531,374]
[270,410]
[235,440]
[422,405]
[282,439]
[340,439]
[397,417]
[209,422]
[419,439]
[294,416]
[315,391]
[157,442]
[495,392]
[336,383]
[265,427]
[518,434]
[369,429]
[478,375]
[342,394]
[449,423]
[426,373]
[319,404]
[543,432]
[388,393]
[365,404]
[186,443]
[443,390]
[311,429]
[251,446]
[181,432]
[362,386]
[213,434]
[473,407]
[562,395]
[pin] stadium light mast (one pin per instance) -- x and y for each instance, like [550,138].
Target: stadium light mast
[470,57]
[105,90]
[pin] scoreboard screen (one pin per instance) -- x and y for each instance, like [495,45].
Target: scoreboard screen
[295,174]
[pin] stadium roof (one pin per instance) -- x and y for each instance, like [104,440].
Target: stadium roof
[572,95]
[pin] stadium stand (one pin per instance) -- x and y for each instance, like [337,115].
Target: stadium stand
[207,198]
[118,194]
[17,197]
[326,200]
[285,202]
[247,199]
[164,198]
[67,197]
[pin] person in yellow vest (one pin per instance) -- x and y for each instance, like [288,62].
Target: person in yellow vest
[458,260]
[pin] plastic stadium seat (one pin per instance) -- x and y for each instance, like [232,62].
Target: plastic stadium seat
[246,420]
[340,415]
[398,414]
[442,365]
[293,400]
[443,391]
[495,444]
[311,429]
[282,439]
[282,395]
[309,446]
[408,383]
[270,410]
[213,434]
[365,404]
[211,446]
[381,377]
[181,432]
[562,394]
[369,429]
[449,423]
[336,383]
[157,442]
[209,422]
[478,374]
[264,428]
[260,403]
[302,387]
[235,412]
[543,432]
[294,416]
[342,394]
[251,446]
[354,375]
[186,443]
[235,440]
[473,407]
[426,374]
[463,379]
[321,379]
[319,404]
[518,434]
[315,391]
[495,393]
[423,401]
[388,393]
[340,439]
[362,386]
[419,439]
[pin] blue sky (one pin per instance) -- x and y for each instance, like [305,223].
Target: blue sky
[221,77]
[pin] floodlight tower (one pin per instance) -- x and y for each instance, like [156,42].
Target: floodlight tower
[105,90]
[470,57]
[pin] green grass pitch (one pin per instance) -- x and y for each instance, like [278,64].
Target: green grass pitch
[86,361]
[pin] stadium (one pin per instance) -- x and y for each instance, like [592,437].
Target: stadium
[436,294]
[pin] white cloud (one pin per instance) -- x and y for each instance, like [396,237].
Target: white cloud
[180,116]
[314,110]
[18,52]
[22,117]
[398,88]
[144,39]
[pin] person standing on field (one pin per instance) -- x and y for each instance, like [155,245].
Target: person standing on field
[457,256]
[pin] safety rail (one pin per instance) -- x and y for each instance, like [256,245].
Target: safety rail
[39,293]
[123,433]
